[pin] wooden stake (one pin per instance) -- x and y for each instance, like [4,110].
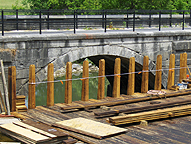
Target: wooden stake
[183,66]
[31,95]
[12,87]
[145,75]
[158,76]
[131,77]
[85,82]
[68,83]
[171,71]
[50,85]
[5,88]
[101,80]
[116,82]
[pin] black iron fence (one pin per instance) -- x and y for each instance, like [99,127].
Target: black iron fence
[75,19]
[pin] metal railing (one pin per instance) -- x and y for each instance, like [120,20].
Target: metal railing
[79,18]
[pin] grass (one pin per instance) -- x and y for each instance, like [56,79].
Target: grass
[7,4]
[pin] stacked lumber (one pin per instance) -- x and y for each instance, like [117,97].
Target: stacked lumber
[188,81]
[20,103]
[151,115]
[38,133]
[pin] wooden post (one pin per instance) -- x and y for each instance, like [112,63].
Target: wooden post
[171,71]
[131,77]
[68,83]
[50,85]
[183,66]
[5,87]
[31,95]
[85,82]
[116,82]
[101,80]
[12,87]
[145,75]
[158,76]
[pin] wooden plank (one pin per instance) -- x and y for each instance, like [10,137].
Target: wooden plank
[31,90]
[89,127]
[26,126]
[85,81]
[5,87]
[50,85]
[145,108]
[158,75]
[116,82]
[151,115]
[24,132]
[126,101]
[101,80]
[68,83]
[171,71]
[131,77]
[20,97]
[145,75]
[183,66]
[3,103]
[46,128]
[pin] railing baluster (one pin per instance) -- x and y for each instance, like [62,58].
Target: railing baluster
[17,23]
[2,22]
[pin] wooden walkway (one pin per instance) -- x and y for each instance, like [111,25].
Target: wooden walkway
[170,130]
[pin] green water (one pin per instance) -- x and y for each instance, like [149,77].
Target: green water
[59,89]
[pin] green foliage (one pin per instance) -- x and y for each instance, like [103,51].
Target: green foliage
[108,4]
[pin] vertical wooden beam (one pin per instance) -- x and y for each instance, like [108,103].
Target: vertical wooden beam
[50,85]
[85,82]
[31,95]
[183,66]
[68,83]
[101,80]
[145,75]
[131,77]
[158,76]
[171,71]
[116,82]
[12,87]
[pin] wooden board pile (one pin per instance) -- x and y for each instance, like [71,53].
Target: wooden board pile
[37,133]
[151,115]
[20,103]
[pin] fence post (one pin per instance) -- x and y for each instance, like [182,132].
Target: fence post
[183,21]
[17,23]
[183,66]
[134,20]
[171,18]
[116,82]
[48,16]
[40,26]
[190,19]
[145,75]
[50,85]
[158,76]
[131,77]
[2,20]
[68,83]
[85,81]
[31,94]
[159,20]
[150,18]
[105,20]
[12,87]
[101,80]
[171,71]
[74,21]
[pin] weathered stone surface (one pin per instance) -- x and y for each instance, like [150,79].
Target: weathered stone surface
[40,50]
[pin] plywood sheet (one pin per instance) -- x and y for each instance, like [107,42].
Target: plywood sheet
[90,127]
[24,132]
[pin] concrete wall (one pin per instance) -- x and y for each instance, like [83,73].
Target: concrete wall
[22,51]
